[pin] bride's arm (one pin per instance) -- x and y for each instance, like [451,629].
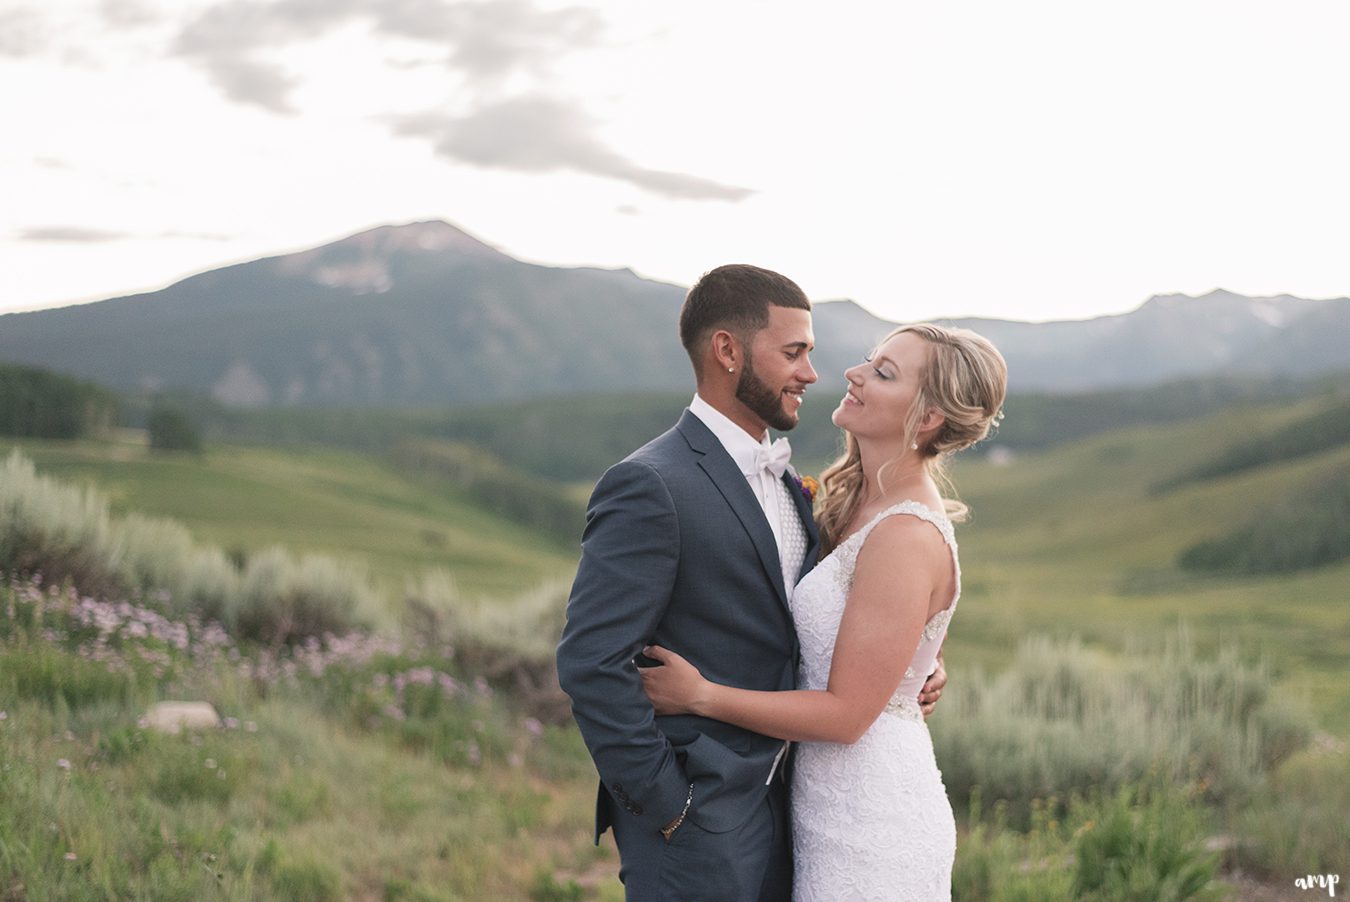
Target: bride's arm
[897,570]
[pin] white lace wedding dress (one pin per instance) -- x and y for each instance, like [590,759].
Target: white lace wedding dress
[870,820]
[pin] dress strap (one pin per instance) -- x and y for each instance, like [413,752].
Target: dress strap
[918,509]
[913,509]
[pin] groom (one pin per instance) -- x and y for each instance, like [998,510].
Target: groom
[694,543]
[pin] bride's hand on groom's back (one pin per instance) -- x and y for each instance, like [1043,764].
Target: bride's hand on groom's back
[676,686]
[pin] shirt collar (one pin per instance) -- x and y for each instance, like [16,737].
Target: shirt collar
[734,439]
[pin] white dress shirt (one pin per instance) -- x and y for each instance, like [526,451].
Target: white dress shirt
[772,494]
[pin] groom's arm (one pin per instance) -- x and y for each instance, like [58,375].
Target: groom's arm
[630,554]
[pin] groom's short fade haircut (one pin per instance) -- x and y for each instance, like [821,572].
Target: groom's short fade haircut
[735,297]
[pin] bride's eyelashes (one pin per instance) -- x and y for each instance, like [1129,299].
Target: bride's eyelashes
[868,359]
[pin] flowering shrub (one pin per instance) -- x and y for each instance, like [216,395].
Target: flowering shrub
[76,650]
[113,651]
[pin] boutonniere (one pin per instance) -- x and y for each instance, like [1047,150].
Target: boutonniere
[807,485]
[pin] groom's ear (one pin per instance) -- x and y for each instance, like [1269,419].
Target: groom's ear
[727,351]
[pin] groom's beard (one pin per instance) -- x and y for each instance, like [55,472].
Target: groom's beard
[763,400]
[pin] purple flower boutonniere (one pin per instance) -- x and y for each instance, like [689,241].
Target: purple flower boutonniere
[808,486]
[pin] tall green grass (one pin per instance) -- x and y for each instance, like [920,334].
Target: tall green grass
[1145,842]
[1296,823]
[61,533]
[1105,771]
[1065,719]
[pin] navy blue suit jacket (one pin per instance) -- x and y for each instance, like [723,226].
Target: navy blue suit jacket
[677,552]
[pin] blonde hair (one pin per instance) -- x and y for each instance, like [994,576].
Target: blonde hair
[965,379]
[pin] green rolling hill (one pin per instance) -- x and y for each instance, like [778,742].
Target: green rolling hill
[1080,540]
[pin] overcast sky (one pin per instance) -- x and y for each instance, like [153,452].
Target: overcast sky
[1032,160]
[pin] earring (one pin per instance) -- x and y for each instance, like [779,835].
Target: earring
[914,446]
[731,369]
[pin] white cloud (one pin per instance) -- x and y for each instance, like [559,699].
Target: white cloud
[68,234]
[542,134]
[23,33]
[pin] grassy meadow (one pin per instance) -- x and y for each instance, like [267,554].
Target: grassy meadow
[1117,726]
[359,770]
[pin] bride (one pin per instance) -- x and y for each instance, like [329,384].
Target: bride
[870,816]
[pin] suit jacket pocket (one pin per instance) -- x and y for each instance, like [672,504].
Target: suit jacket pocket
[727,784]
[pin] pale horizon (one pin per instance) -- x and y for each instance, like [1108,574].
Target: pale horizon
[815,300]
[1039,162]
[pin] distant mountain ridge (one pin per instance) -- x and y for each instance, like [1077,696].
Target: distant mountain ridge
[1175,336]
[426,315]
[415,315]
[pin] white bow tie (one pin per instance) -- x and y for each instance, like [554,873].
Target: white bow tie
[773,458]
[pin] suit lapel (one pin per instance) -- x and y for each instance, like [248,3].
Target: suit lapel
[731,482]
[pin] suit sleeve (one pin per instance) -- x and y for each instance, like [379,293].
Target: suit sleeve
[629,559]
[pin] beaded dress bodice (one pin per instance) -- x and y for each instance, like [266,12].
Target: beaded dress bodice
[818,607]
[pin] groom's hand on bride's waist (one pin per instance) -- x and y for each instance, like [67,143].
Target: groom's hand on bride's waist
[932,688]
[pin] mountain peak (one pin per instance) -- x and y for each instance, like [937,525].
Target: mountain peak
[1278,311]
[432,235]
[1215,296]
[360,262]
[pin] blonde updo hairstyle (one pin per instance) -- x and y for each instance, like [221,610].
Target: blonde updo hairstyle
[965,378]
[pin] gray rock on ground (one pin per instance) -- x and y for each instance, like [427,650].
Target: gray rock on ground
[173,717]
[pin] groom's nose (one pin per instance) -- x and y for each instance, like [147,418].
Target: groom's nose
[807,373]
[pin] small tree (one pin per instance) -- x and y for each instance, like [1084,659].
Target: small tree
[42,404]
[173,430]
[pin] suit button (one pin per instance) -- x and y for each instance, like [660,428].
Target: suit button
[637,809]
[618,788]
